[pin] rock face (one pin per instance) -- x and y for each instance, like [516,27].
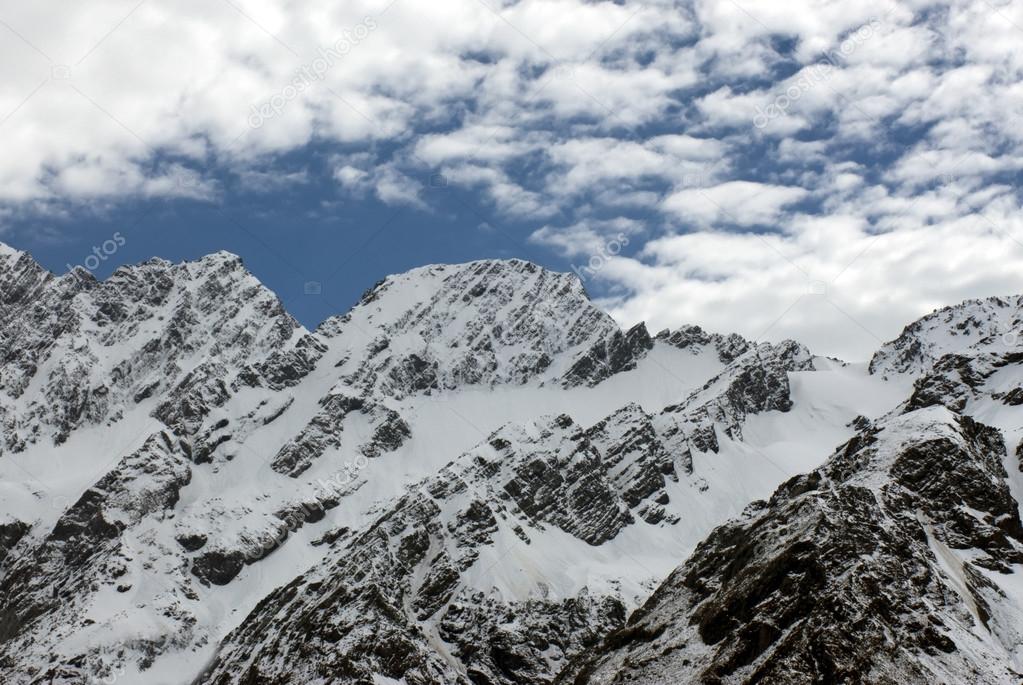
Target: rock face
[974,324]
[475,476]
[48,588]
[727,347]
[875,568]
[414,572]
[324,431]
[897,561]
[484,323]
[77,353]
[756,381]
[618,353]
[21,280]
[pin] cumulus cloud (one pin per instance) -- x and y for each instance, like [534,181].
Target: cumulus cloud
[386,183]
[832,283]
[588,238]
[741,202]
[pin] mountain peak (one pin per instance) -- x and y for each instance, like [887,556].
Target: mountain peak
[894,547]
[10,256]
[970,326]
[219,258]
[487,321]
[21,276]
[460,471]
[6,251]
[515,271]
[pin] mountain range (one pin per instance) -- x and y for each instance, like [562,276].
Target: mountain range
[476,477]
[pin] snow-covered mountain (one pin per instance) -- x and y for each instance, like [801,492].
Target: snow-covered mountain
[898,560]
[475,476]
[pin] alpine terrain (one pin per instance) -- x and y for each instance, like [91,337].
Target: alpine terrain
[476,477]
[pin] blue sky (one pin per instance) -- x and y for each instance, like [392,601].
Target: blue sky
[826,171]
[291,238]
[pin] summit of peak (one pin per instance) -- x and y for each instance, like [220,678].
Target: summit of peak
[463,289]
[20,278]
[479,267]
[482,322]
[991,323]
[12,254]
[219,257]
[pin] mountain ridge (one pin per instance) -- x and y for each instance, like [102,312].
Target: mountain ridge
[474,467]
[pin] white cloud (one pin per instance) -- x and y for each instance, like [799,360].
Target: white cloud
[394,187]
[832,284]
[585,163]
[588,237]
[388,184]
[349,176]
[265,181]
[741,202]
[570,109]
[474,142]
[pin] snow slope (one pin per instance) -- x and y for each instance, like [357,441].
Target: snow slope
[899,560]
[435,485]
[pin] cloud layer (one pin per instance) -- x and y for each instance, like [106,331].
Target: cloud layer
[826,170]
